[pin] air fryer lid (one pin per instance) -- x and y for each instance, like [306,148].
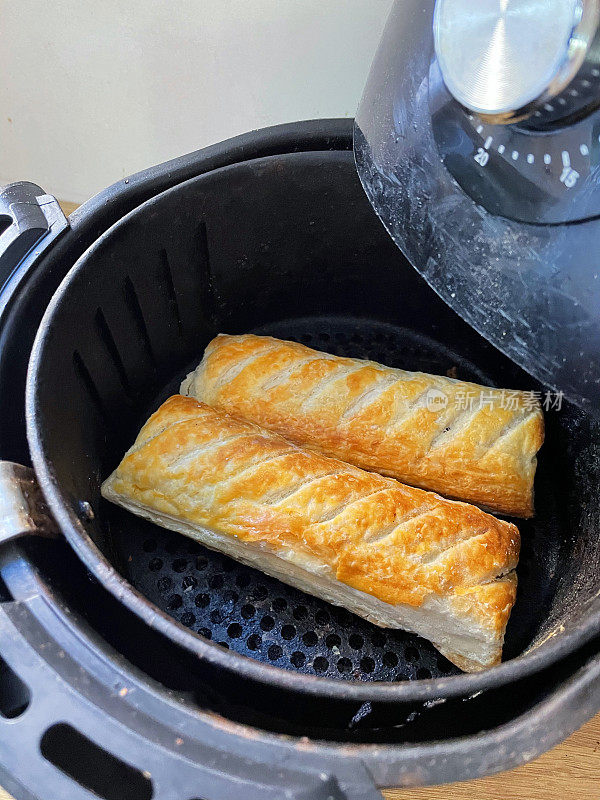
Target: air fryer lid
[498,210]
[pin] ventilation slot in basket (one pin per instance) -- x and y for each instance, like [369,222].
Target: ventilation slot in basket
[93,767]
[206,277]
[87,381]
[133,304]
[14,694]
[107,339]
[167,279]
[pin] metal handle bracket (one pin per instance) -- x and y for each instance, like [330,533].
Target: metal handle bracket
[23,510]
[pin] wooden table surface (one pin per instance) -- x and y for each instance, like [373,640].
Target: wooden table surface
[570,769]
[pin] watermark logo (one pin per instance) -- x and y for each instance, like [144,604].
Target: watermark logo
[471,400]
[436,400]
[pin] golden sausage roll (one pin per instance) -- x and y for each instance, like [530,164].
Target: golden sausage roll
[463,440]
[398,556]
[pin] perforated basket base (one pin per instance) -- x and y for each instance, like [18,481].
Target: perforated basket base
[246,611]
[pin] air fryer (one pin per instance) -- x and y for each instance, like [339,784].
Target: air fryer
[172,649]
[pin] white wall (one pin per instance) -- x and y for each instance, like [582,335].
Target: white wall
[93,91]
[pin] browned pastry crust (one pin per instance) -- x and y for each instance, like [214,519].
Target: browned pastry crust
[399,556]
[481,446]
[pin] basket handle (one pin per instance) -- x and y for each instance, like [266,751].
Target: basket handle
[28,216]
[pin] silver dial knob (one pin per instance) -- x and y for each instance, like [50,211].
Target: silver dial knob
[508,59]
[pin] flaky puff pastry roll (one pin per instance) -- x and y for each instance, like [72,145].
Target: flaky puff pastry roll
[398,556]
[463,440]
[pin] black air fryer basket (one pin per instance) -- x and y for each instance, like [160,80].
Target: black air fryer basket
[133,657]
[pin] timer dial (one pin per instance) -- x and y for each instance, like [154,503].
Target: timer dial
[512,60]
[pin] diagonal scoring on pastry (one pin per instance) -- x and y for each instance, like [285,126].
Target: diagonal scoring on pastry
[476,444]
[398,556]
